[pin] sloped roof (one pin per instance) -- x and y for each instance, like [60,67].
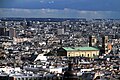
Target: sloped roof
[80,48]
[41,57]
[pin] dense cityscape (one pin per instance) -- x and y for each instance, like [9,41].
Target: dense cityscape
[59,49]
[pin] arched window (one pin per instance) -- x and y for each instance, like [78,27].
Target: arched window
[93,40]
[88,55]
[82,55]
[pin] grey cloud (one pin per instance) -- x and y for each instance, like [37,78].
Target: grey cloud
[55,13]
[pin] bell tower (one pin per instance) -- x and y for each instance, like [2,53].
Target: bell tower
[92,41]
[105,44]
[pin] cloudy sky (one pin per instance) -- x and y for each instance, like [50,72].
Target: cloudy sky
[60,8]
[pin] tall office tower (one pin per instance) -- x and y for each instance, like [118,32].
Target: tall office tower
[6,32]
[60,31]
[105,44]
[12,32]
[92,41]
[2,31]
[29,23]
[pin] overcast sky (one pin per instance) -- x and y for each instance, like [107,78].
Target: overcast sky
[60,8]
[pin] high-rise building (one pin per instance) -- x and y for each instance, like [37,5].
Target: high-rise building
[6,31]
[2,31]
[12,32]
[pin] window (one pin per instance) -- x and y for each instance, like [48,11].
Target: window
[35,79]
[106,41]
[93,55]
[106,47]
[93,40]
[88,55]
[69,55]
[82,55]
[29,78]
[18,79]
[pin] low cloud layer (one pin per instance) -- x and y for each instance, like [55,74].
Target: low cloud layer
[55,13]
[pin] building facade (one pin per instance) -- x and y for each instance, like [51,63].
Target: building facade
[78,51]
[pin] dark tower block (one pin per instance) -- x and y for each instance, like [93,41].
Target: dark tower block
[70,74]
[2,31]
[105,44]
[61,42]
[92,41]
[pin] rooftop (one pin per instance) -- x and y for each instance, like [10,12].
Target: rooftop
[80,48]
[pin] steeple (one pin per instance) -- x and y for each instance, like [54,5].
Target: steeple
[70,74]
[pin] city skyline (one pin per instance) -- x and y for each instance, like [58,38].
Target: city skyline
[59,40]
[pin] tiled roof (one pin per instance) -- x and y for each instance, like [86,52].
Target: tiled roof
[80,48]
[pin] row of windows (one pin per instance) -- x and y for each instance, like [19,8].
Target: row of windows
[27,79]
[52,78]
[88,55]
